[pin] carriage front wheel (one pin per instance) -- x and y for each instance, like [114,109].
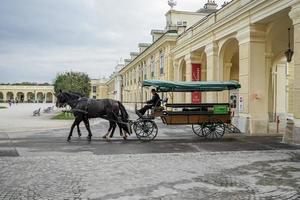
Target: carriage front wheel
[145,130]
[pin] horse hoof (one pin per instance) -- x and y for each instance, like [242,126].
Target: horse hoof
[104,137]
[125,138]
[89,138]
[79,134]
[69,139]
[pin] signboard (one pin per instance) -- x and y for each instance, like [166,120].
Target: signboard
[241,104]
[196,76]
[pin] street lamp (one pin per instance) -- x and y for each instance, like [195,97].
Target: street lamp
[289,53]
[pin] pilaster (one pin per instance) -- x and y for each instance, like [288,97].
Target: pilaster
[253,77]
[295,16]
[211,51]
[188,62]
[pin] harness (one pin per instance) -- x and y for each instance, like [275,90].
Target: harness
[85,111]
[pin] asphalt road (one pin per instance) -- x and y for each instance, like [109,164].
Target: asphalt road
[170,139]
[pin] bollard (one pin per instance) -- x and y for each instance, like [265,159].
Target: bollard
[288,136]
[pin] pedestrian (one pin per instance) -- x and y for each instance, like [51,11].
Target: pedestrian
[9,103]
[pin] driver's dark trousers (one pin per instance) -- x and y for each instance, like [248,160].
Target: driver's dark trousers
[144,109]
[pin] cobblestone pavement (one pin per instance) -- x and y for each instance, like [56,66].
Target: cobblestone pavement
[178,165]
[227,175]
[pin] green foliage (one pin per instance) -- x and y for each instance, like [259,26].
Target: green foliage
[64,116]
[3,107]
[73,82]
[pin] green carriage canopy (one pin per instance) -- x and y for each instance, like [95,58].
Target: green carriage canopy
[182,86]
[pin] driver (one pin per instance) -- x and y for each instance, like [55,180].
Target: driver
[154,102]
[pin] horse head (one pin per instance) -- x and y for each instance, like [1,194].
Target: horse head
[61,99]
[64,97]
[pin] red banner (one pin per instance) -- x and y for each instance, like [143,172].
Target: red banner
[196,76]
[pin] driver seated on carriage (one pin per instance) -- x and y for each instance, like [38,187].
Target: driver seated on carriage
[154,102]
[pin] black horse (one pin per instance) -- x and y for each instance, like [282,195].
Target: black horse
[84,109]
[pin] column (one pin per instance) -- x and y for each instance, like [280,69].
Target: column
[53,98]
[227,68]
[270,78]
[119,82]
[253,78]
[211,51]
[175,97]
[295,16]
[224,96]
[25,96]
[35,97]
[44,97]
[170,68]
[4,96]
[188,75]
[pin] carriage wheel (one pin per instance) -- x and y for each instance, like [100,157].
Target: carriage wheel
[197,129]
[145,130]
[213,130]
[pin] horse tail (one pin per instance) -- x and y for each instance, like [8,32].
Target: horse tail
[124,113]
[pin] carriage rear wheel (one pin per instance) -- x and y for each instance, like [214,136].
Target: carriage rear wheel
[213,131]
[145,130]
[197,129]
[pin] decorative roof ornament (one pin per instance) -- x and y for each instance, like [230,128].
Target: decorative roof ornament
[172,3]
[211,4]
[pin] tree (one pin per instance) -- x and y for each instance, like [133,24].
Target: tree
[73,82]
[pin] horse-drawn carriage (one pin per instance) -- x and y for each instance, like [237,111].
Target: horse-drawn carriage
[208,120]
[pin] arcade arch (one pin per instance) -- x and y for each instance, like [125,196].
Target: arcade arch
[229,64]
[21,96]
[40,97]
[30,97]
[229,60]
[280,84]
[10,96]
[49,97]
[1,97]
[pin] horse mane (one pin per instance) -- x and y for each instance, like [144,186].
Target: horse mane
[73,95]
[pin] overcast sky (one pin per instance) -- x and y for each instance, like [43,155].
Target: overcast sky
[40,38]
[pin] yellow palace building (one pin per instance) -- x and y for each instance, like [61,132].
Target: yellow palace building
[245,40]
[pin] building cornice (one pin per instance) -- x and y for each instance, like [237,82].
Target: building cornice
[167,37]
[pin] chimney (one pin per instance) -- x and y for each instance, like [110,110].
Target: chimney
[134,55]
[143,46]
[156,34]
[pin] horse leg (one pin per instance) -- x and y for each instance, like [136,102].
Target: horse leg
[78,130]
[109,129]
[87,125]
[122,134]
[113,129]
[76,122]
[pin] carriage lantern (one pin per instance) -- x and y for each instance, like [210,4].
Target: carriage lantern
[289,53]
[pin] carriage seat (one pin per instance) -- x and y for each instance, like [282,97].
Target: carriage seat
[159,108]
